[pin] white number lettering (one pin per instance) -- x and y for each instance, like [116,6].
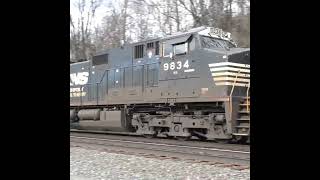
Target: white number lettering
[179,65]
[166,66]
[172,65]
[186,64]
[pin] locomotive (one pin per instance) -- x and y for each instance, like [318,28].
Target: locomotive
[189,84]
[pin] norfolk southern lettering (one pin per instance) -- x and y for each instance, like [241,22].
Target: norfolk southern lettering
[78,79]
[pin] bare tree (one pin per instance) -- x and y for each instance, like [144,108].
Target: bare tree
[216,13]
[192,7]
[134,20]
[177,17]
[228,12]
[112,29]
[124,19]
[81,33]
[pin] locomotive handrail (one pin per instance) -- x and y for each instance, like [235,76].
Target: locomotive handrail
[123,67]
[104,73]
[81,96]
[113,69]
[248,97]
[234,82]
[230,96]
[103,76]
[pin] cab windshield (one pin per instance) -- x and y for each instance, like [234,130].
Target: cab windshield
[213,43]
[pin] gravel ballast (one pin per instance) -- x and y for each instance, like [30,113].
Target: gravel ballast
[93,164]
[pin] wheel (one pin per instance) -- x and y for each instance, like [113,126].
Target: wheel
[183,138]
[149,136]
[76,119]
[202,138]
[170,137]
[222,141]
[241,139]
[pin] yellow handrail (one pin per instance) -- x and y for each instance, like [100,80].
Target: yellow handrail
[248,97]
[230,96]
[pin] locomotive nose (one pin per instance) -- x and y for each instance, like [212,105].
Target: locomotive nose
[240,56]
[233,70]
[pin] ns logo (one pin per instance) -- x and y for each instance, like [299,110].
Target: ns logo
[80,78]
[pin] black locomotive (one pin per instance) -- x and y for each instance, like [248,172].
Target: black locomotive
[193,83]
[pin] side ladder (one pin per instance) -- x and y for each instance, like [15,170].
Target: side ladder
[242,123]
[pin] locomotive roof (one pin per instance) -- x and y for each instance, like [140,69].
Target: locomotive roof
[184,35]
[80,62]
[174,35]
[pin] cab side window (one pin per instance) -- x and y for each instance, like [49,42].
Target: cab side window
[180,49]
[167,49]
[192,44]
[178,46]
[157,48]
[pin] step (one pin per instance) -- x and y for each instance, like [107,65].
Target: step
[243,127]
[240,134]
[245,101]
[244,104]
[242,123]
[243,119]
[244,112]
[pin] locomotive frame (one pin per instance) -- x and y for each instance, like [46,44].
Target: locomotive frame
[174,86]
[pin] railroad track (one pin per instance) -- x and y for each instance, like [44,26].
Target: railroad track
[104,132]
[230,156]
[163,138]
